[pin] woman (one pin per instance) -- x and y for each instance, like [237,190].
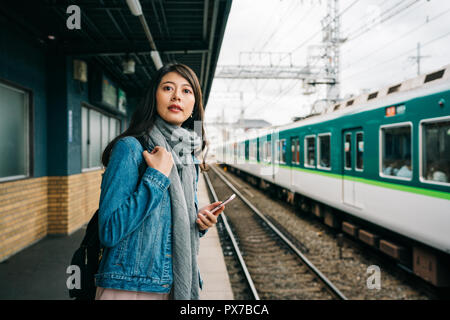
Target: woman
[149,223]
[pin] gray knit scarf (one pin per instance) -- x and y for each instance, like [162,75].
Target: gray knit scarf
[185,234]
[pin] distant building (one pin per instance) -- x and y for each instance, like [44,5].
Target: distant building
[248,124]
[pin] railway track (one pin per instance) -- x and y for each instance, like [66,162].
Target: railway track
[344,262]
[274,267]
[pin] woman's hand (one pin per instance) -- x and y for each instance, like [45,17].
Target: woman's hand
[206,219]
[159,159]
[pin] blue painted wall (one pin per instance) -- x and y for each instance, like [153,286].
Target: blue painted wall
[57,115]
[48,75]
[23,63]
[77,92]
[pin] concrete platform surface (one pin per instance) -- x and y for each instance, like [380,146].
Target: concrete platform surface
[39,271]
[216,283]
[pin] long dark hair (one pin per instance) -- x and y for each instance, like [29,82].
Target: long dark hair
[144,116]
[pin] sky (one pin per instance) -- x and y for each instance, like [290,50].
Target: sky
[381,42]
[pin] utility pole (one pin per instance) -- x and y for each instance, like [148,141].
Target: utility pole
[327,55]
[332,40]
[241,115]
[418,58]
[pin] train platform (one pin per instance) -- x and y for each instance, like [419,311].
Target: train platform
[216,283]
[39,271]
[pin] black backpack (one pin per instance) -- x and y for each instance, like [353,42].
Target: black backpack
[88,256]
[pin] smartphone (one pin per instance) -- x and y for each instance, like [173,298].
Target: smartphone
[223,203]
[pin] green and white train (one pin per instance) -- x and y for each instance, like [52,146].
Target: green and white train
[376,166]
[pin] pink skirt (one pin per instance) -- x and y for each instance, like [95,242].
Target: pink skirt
[114,294]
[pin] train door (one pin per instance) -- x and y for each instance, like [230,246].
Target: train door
[273,148]
[271,156]
[352,165]
[295,158]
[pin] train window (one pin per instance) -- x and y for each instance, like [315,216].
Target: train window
[434,76]
[310,151]
[372,96]
[267,151]
[295,150]
[242,151]
[252,150]
[359,151]
[348,151]
[262,151]
[436,151]
[324,151]
[276,156]
[394,89]
[396,151]
[281,151]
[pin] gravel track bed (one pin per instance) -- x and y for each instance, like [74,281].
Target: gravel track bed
[276,272]
[349,273]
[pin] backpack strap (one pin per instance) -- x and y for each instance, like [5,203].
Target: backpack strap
[91,235]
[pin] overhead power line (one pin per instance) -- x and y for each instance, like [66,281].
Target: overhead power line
[400,55]
[268,28]
[396,40]
[369,17]
[282,22]
[320,30]
[363,31]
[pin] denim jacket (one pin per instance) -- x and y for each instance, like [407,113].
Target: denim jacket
[135,223]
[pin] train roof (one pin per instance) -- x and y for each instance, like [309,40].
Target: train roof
[426,84]
[422,85]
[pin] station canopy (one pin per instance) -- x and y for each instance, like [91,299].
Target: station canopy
[184,31]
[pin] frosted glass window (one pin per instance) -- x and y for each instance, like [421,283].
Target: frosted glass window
[84,137]
[105,132]
[94,139]
[112,129]
[117,128]
[13,133]
[97,130]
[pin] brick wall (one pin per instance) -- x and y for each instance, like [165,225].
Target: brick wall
[83,199]
[32,208]
[23,214]
[72,200]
